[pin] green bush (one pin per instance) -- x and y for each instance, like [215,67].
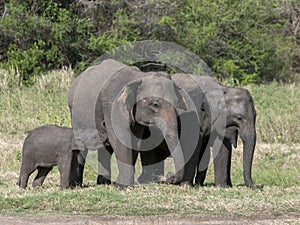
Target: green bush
[37,38]
[251,41]
[242,41]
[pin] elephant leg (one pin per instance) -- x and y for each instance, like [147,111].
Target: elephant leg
[191,166]
[191,142]
[104,166]
[40,177]
[81,156]
[152,160]
[77,167]
[74,169]
[26,171]
[64,168]
[202,164]
[125,167]
[222,164]
[152,165]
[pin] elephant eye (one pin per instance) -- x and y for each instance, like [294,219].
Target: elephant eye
[155,104]
[239,118]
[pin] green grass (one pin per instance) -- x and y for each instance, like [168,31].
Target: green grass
[151,200]
[24,108]
[278,112]
[276,162]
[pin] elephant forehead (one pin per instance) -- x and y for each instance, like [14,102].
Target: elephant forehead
[159,87]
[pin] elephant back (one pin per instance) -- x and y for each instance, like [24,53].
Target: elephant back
[86,113]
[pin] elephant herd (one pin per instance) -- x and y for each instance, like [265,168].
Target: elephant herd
[116,108]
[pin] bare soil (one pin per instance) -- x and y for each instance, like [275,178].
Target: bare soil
[116,220]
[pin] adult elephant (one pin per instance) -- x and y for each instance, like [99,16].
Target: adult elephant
[121,104]
[226,113]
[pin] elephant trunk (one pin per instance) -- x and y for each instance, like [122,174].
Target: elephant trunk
[248,136]
[177,155]
[168,125]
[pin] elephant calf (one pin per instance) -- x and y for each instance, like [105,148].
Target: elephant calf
[48,146]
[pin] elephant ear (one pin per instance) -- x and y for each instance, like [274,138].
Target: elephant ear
[127,99]
[184,101]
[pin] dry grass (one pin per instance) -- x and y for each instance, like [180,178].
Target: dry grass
[276,163]
[278,112]
[24,108]
[161,199]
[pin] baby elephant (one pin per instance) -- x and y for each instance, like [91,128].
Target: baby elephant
[48,146]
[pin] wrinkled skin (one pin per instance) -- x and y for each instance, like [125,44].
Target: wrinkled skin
[87,122]
[129,104]
[226,113]
[48,146]
[240,121]
[190,140]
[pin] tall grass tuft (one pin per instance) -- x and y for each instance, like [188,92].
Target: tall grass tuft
[24,108]
[10,79]
[278,112]
[59,79]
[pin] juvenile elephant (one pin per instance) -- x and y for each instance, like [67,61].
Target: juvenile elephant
[230,115]
[125,105]
[45,147]
[240,121]
[225,113]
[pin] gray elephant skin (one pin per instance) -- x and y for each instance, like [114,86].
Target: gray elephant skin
[123,104]
[240,116]
[225,113]
[46,147]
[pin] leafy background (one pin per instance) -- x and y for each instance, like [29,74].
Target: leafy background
[249,41]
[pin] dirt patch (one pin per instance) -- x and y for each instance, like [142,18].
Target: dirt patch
[116,220]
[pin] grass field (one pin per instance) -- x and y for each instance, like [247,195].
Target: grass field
[276,162]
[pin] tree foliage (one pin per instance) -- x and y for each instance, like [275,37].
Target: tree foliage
[249,41]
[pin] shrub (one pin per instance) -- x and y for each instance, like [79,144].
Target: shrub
[243,42]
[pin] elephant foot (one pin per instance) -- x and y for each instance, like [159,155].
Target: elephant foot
[123,186]
[223,185]
[187,183]
[253,187]
[199,182]
[258,187]
[102,180]
[170,178]
[142,179]
[36,184]
[75,184]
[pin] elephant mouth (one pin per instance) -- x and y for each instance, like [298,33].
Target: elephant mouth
[147,123]
[232,128]
[232,134]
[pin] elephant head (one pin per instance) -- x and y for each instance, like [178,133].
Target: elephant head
[241,118]
[227,113]
[153,102]
[130,103]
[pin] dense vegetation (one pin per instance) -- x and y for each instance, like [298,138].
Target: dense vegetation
[249,41]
